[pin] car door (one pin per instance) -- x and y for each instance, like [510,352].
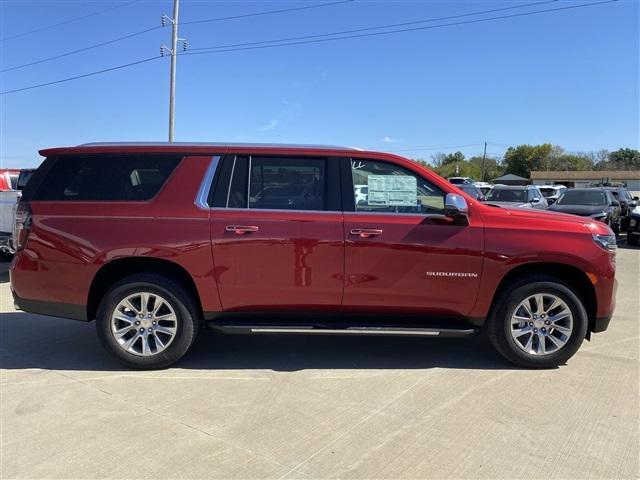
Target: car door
[277,233]
[402,254]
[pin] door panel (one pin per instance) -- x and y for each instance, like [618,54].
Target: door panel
[287,260]
[417,264]
[402,254]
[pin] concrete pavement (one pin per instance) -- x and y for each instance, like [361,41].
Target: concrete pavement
[318,407]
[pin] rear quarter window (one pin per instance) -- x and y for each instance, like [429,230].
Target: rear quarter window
[106,178]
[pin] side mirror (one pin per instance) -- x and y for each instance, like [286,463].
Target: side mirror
[636,198]
[615,203]
[455,206]
[535,200]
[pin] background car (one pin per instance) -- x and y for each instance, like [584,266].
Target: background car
[528,196]
[633,231]
[460,180]
[473,191]
[597,203]
[627,203]
[552,192]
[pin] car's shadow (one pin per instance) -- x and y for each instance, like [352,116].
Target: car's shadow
[33,341]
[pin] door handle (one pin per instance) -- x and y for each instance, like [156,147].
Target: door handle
[241,229]
[366,232]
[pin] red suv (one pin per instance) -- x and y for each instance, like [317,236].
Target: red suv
[154,240]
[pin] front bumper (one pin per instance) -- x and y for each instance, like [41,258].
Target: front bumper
[601,324]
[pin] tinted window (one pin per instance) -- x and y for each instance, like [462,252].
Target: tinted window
[13,178]
[394,189]
[281,184]
[24,178]
[583,197]
[507,195]
[106,178]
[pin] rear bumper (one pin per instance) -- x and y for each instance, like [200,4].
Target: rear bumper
[53,309]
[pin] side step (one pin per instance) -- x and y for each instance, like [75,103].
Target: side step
[408,331]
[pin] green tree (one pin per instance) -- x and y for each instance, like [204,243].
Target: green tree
[522,159]
[492,167]
[622,159]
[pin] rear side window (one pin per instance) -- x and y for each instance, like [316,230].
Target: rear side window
[275,183]
[106,178]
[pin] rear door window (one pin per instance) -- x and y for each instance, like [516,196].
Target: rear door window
[106,178]
[278,183]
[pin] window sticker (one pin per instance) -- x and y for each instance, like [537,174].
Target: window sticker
[393,190]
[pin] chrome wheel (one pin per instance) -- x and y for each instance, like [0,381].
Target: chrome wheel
[541,324]
[144,324]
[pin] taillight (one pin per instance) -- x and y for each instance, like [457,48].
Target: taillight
[21,224]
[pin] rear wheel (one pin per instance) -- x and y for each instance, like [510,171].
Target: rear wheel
[147,321]
[631,239]
[538,323]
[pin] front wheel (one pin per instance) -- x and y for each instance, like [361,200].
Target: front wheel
[147,321]
[538,323]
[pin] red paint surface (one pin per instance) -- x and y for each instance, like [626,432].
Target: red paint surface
[301,260]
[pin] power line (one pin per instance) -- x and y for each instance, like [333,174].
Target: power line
[283,44]
[268,12]
[392,25]
[151,29]
[79,50]
[65,22]
[90,74]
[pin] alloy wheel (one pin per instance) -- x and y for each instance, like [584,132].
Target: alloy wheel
[144,324]
[541,324]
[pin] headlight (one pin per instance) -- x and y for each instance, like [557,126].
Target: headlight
[633,222]
[598,216]
[608,242]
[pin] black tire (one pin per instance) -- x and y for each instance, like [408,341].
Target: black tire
[498,324]
[175,294]
[632,239]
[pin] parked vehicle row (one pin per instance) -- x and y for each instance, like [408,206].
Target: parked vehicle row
[612,205]
[12,181]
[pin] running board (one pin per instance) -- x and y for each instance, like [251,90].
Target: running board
[349,330]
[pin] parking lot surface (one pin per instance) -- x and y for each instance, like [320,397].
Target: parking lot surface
[318,407]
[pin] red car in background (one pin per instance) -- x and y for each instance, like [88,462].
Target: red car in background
[154,240]
[9,178]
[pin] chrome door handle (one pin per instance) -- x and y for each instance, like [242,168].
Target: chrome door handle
[366,232]
[241,229]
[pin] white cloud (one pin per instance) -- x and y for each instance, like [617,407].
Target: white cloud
[272,125]
[390,140]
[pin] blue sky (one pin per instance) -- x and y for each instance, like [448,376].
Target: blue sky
[570,78]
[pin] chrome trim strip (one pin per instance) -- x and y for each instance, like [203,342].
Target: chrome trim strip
[347,331]
[202,197]
[249,182]
[233,169]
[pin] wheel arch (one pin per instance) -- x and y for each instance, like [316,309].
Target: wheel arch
[115,270]
[572,276]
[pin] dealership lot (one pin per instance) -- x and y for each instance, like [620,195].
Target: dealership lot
[310,407]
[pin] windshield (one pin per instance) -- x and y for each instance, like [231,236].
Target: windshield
[507,195]
[583,197]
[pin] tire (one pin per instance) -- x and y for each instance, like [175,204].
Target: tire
[499,326]
[174,329]
[631,239]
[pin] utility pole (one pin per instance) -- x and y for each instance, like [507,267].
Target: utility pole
[484,156]
[173,51]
